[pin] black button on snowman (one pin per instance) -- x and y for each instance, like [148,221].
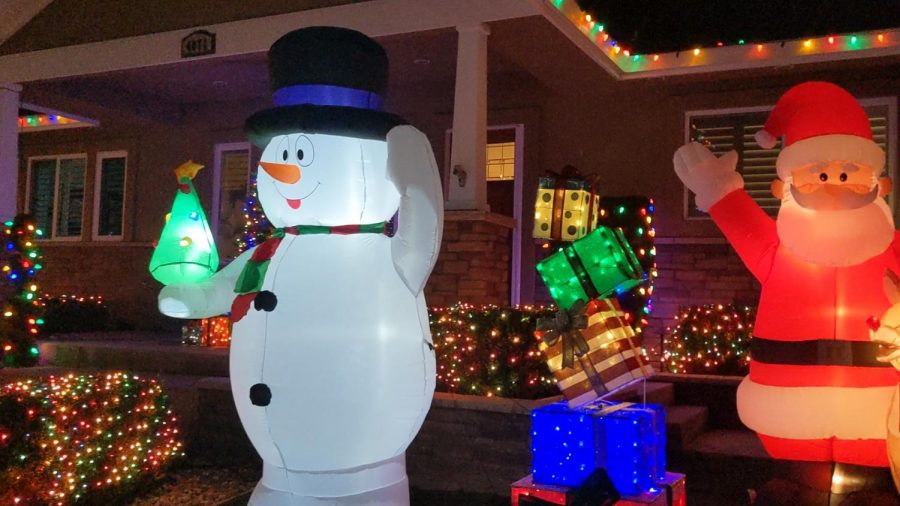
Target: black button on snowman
[331,365]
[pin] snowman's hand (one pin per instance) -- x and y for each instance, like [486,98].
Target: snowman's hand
[710,178]
[212,297]
[184,301]
[420,221]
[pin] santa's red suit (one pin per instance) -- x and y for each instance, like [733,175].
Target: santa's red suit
[815,390]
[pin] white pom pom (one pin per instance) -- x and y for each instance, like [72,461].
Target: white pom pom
[765,139]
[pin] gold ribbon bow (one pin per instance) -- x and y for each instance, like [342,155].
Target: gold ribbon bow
[566,325]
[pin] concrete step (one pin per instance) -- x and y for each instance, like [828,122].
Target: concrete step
[731,443]
[657,393]
[684,424]
[136,356]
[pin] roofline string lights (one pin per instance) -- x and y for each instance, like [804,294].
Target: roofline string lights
[723,53]
[34,121]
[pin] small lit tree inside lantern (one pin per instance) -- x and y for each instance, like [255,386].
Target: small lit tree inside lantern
[634,215]
[566,206]
[185,252]
[20,262]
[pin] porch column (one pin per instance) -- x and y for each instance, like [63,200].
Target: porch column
[9,148]
[467,178]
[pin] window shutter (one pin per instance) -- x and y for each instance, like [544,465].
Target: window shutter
[70,197]
[43,189]
[112,194]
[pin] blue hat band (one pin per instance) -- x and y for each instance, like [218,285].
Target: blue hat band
[323,94]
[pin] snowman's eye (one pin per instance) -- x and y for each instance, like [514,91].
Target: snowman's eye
[305,151]
[284,155]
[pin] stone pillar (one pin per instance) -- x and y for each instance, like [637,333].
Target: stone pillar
[9,149]
[473,265]
[468,160]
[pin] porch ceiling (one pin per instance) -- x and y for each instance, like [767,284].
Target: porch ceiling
[417,60]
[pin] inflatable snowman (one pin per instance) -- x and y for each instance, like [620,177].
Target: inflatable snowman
[332,365]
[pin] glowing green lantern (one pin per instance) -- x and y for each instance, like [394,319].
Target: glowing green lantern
[592,267]
[185,252]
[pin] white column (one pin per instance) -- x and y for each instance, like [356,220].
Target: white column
[468,183]
[9,148]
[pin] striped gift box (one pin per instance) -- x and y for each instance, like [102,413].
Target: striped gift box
[614,359]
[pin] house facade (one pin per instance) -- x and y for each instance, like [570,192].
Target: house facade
[505,90]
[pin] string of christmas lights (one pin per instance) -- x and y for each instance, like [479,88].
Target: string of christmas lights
[74,313]
[491,351]
[256,227]
[20,261]
[634,215]
[212,332]
[709,339]
[68,438]
[742,48]
[43,120]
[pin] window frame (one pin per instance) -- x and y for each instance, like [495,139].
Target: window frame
[95,221]
[883,101]
[67,156]
[219,152]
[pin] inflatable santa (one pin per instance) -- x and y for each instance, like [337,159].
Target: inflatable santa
[816,390]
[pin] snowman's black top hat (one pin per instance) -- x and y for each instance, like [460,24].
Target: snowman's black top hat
[325,80]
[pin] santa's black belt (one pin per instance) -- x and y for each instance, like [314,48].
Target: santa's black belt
[815,352]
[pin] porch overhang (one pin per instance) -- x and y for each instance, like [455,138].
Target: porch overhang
[256,35]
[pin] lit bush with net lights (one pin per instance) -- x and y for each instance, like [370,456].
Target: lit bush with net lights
[74,438]
[709,339]
[490,351]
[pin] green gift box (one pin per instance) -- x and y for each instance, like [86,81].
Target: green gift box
[595,266]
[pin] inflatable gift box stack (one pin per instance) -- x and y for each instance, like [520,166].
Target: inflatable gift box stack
[598,265]
[591,350]
[589,345]
[627,440]
[567,206]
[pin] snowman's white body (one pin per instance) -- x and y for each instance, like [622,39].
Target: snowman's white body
[356,347]
[346,352]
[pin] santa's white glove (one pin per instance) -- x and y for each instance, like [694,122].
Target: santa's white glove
[710,178]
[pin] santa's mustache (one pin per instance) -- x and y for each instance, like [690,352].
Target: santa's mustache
[833,199]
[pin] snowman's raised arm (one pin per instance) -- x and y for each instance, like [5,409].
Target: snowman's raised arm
[212,297]
[417,241]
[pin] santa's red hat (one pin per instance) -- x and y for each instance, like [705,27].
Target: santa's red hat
[820,122]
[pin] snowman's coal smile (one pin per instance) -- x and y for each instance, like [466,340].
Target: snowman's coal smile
[295,203]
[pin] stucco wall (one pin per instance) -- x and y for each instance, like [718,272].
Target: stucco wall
[572,112]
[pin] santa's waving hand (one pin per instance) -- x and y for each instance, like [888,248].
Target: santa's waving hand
[816,390]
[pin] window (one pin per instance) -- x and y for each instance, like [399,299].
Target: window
[722,131]
[109,195]
[501,161]
[56,194]
[232,172]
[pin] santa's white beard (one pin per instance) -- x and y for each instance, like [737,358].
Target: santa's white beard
[845,237]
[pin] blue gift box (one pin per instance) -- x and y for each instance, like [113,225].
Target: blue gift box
[626,439]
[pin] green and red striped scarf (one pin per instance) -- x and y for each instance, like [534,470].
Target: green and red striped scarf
[251,279]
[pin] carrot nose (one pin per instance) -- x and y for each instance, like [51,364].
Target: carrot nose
[284,172]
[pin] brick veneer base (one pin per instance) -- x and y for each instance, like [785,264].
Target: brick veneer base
[473,265]
[696,273]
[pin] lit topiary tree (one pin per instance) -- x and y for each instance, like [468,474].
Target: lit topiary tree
[20,262]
